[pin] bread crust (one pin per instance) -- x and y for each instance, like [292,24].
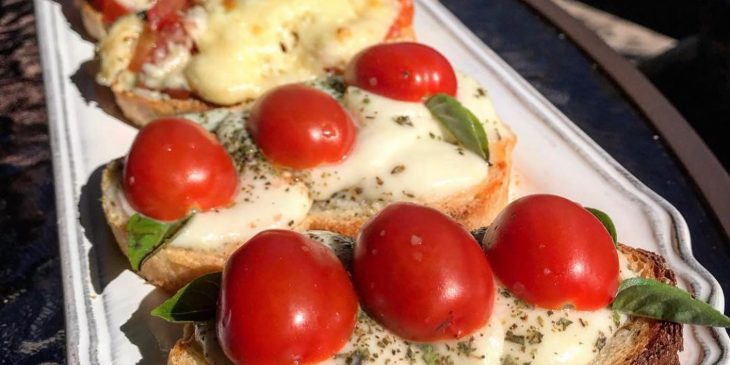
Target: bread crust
[93,20]
[171,267]
[639,341]
[140,109]
[643,341]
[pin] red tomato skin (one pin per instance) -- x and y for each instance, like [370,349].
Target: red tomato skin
[165,13]
[403,20]
[164,27]
[405,71]
[422,275]
[285,299]
[110,10]
[300,127]
[552,252]
[173,166]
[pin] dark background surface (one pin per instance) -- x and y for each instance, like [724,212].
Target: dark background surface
[31,301]
[695,75]
[31,296]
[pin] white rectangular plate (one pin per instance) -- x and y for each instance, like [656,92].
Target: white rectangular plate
[107,306]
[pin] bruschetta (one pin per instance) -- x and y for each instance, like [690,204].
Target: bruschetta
[323,155]
[189,56]
[452,296]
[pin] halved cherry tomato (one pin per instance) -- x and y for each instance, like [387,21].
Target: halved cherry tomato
[403,20]
[405,71]
[551,252]
[301,127]
[174,166]
[166,12]
[285,299]
[110,9]
[422,275]
[163,28]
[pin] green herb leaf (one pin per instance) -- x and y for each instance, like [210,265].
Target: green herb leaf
[607,222]
[145,236]
[653,299]
[461,122]
[195,302]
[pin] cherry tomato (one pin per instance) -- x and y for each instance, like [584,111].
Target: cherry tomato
[164,27]
[405,71]
[551,252]
[301,127]
[174,166]
[403,20]
[110,9]
[285,299]
[165,13]
[422,275]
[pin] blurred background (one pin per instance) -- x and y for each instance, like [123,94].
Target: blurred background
[682,46]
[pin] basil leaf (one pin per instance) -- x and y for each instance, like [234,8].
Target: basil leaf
[195,302]
[607,222]
[461,122]
[145,236]
[653,299]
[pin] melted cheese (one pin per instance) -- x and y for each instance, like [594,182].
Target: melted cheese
[516,334]
[400,152]
[167,74]
[259,44]
[262,203]
[266,200]
[539,336]
[116,50]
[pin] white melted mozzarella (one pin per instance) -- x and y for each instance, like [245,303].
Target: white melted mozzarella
[266,199]
[541,337]
[373,344]
[269,203]
[516,334]
[400,151]
[254,45]
[116,50]
[167,74]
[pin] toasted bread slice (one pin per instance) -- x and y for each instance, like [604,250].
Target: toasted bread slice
[639,341]
[171,267]
[141,109]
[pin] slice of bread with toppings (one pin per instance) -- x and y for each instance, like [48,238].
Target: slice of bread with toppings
[390,162]
[276,42]
[635,341]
